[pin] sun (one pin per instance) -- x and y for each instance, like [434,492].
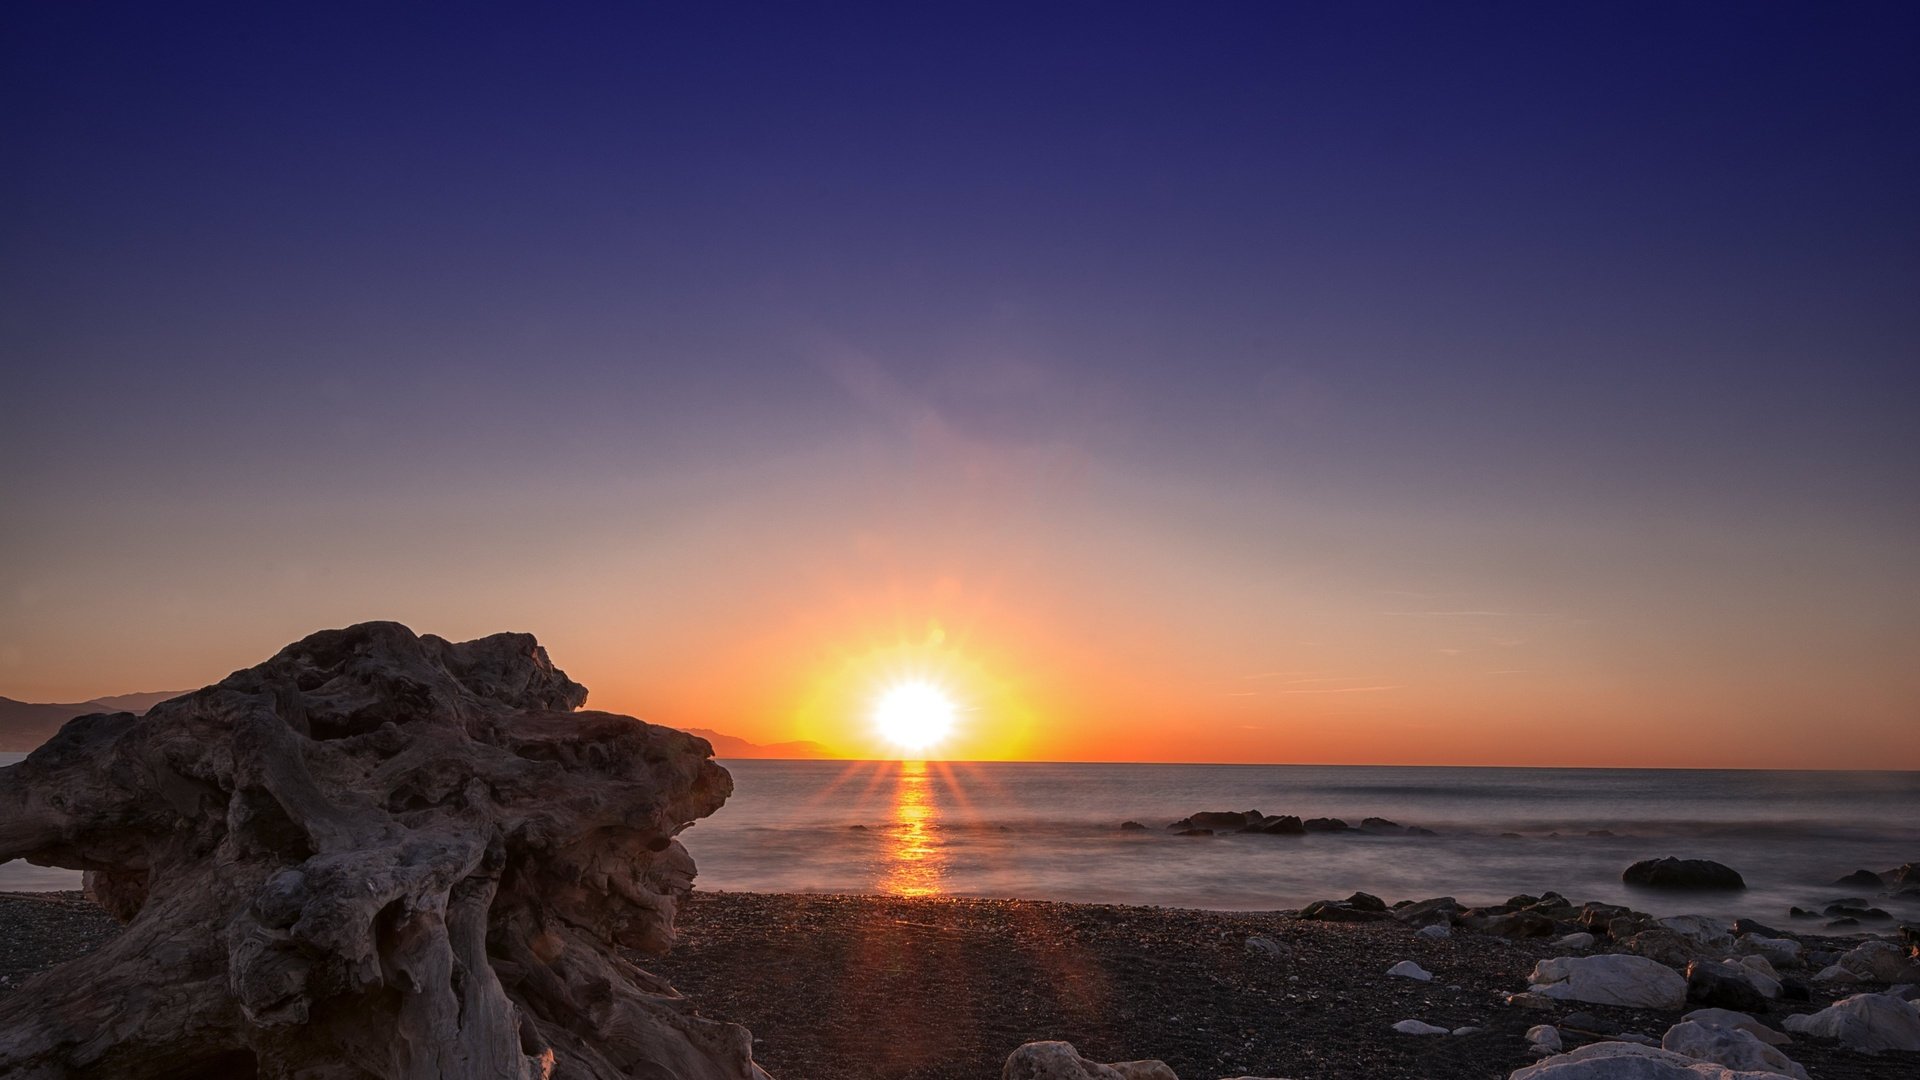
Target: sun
[914,715]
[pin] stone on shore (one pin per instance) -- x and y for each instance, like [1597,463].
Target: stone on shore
[1715,985]
[1545,1039]
[1407,969]
[1732,1047]
[1438,910]
[1868,1023]
[1672,873]
[1629,1061]
[1780,952]
[1610,979]
[1581,940]
[1341,911]
[1727,1018]
[1054,1060]
[1419,1027]
[1880,961]
[1436,932]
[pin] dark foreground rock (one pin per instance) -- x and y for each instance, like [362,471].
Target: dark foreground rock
[1672,873]
[374,855]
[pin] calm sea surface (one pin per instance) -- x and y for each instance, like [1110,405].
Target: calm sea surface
[1050,831]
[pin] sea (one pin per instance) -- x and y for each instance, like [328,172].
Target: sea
[1051,831]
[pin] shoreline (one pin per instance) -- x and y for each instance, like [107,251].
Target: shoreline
[876,987]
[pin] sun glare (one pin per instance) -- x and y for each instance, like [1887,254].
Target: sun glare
[914,716]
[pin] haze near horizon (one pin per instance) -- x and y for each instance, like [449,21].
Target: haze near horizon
[1393,384]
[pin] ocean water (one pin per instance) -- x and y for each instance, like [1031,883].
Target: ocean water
[1051,831]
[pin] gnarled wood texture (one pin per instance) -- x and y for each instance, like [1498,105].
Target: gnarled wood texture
[377,854]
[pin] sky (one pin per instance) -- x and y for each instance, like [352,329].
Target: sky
[1389,383]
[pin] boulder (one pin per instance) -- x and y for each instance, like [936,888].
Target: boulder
[1716,985]
[1361,901]
[1861,879]
[1868,1023]
[1672,873]
[1218,821]
[1435,932]
[1407,969]
[1780,952]
[1579,942]
[1060,1061]
[1726,1018]
[1284,825]
[1440,909]
[1663,945]
[1381,825]
[1881,961]
[1267,947]
[1545,1038]
[1610,979]
[1512,924]
[1325,824]
[1734,1048]
[1703,930]
[1598,918]
[1417,1027]
[1340,911]
[379,855]
[1620,1060]
[1902,876]
[1743,927]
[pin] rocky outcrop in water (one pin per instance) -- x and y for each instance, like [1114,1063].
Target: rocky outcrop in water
[1672,873]
[375,855]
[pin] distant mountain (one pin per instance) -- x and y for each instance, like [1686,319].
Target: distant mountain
[26,724]
[729,746]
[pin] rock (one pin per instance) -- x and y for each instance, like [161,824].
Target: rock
[1439,910]
[1663,945]
[1610,979]
[1733,1047]
[1780,952]
[1624,1060]
[1589,1023]
[1743,927]
[1467,1030]
[1366,902]
[1881,961]
[378,854]
[1416,1027]
[1801,913]
[1060,1061]
[1325,824]
[1436,932]
[1672,873]
[1513,924]
[1711,984]
[1218,821]
[1836,973]
[1132,826]
[1536,1002]
[1260,946]
[1868,1023]
[1381,825]
[1901,876]
[1284,825]
[1599,917]
[1545,1038]
[1726,1018]
[1864,879]
[1580,941]
[1340,911]
[1407,969]
[1703,930]
[1843,924]
[1850,911]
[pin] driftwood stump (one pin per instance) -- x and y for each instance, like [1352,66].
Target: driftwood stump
[375,855]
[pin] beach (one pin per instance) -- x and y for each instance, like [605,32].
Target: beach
[930,988]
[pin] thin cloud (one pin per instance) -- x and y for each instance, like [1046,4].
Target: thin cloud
[1344,690]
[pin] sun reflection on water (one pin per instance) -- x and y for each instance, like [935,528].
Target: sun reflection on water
[915,863]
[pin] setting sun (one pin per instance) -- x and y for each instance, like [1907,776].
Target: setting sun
[914,715]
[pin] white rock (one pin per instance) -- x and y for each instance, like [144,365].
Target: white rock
[1629,1061]
[1866,1022]
[1610,979]
[1703,929]
[1727,1018]
[1060,1061]
[1416,1027]
[1752,970]
[1436,932]
[1545,1037]
[1259,946]
[1880,961]
[1407,969]
[1780,952]
[1575,941]
[1732,1047]
[1835,973]
[1467,1030]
